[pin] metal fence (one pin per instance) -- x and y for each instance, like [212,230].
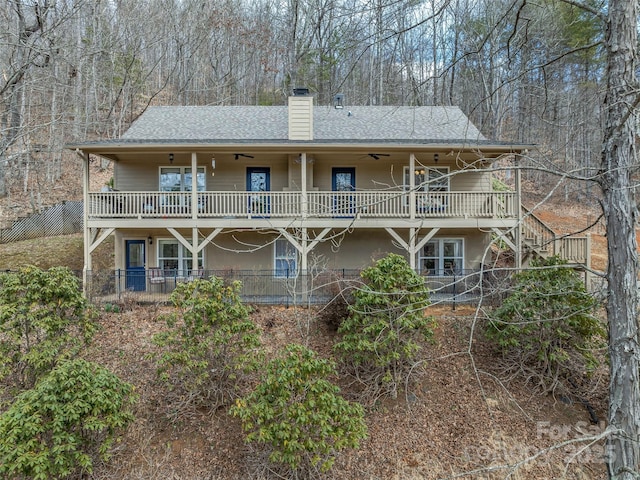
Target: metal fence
[268,287]
[61,219]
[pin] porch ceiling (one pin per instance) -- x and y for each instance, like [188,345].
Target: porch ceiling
[114,150]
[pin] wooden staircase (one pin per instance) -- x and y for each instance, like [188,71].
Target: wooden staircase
[540,241]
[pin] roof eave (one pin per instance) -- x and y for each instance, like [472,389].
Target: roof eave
[106,148]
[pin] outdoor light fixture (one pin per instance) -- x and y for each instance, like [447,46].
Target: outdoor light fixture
[238,155]
[150,240]
[171,158]
[213,162]
[436,157]
[376,156]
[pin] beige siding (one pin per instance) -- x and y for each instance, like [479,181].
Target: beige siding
[295,172]
[233,176]
[142,172]
[301,118]
[350,254]
[139,174]
[228,177]
[475,245]
[388,173]
[355,250]
[240,251]
[254,251]
[478,181]
[118,253]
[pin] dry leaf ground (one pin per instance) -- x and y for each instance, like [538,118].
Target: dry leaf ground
[456,418]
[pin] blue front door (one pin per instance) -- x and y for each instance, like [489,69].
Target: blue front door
[343,181]
[135,258]
[259,184]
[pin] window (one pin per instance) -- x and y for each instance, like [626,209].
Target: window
[175,259]
[285,259]
[443,256]
[428,179]
[178,179]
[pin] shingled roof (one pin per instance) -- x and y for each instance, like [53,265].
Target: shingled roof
[269,124]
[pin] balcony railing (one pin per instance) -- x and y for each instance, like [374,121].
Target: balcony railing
[361,204]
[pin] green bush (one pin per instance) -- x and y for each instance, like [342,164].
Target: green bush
[546,328]
[298,413]
[209,340]
[44,318]
[381,338]
[112,308]
[66,422]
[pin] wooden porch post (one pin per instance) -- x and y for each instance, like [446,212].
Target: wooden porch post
[194,251]
[86,234]
[194,212]
[303,188]
[194,186]
[304,243]
[304,261]
[412,186]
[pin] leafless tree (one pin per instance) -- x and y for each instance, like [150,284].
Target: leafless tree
[619,160]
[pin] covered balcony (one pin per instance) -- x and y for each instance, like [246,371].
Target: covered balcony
[369,204]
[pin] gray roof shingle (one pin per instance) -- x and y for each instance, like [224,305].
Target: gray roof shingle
[269,123]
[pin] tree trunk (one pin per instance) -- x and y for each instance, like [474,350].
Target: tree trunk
[618,161]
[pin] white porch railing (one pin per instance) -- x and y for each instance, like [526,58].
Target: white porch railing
[361,204]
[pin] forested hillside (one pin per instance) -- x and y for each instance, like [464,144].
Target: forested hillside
[84,69]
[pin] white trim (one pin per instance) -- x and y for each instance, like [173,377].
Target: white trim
[183,183]
[424,183]
[181,258]
[292,257]
[440,259]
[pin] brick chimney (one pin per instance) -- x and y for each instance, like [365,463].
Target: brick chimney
[301,115]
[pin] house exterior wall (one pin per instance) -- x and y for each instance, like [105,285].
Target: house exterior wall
[138,174]
[141,172]
[343,250]
[247,249]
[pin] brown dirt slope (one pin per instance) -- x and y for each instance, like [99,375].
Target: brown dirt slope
[458,417]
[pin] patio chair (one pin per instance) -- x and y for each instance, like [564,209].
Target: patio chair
[148,205]
[429,203]
[195,275]
[156,277]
